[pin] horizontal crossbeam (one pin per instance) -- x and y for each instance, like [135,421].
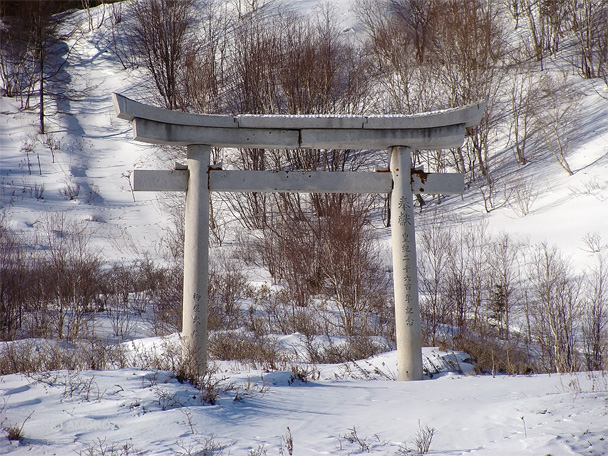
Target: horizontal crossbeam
[446,137]
[153,132]
[298,181]
[148,180]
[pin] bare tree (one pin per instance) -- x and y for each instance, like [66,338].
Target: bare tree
[590,19]
[524,100]
[160,40]
[433,259]
[547,21]
[34,53]
[252,88]
[402,63]
[14,290]
[559,117]
[470,46]
[503,258]
[418,15]
[335,256]
[291,64]
[350,265]
[204,85]
[252,84]
[557,300]
[595,317]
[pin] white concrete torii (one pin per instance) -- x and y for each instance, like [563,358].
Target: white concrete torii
[396,133]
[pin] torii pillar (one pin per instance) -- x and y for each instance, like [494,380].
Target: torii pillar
[405,283]
[196,261]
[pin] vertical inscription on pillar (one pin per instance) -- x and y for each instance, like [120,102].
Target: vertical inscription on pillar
[405,221]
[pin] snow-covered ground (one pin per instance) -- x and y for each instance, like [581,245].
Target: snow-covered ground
[95,412]
[152,412]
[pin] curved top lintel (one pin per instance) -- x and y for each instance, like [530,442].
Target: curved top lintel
[128,109]
[469,115]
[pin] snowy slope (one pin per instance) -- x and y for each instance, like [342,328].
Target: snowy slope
[93,151]
[151,412]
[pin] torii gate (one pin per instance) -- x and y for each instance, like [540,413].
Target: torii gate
[396,133]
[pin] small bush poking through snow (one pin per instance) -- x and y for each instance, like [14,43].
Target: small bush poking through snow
[14,431]
[423,438]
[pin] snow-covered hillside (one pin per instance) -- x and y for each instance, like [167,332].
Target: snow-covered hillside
[87,147]
[81,168]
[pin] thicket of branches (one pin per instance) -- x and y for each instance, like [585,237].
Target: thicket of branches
[515,307]
[512,304]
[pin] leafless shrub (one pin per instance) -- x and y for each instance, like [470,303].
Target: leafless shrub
[77,386]
[591,186]
[259,451]
[52,145]
[166,399]
[14,278]
[493,356]
[281,314]
[98,355]
[204,446]
[211,386]
[166,299]
[334,255]
[423,438]
[262,352]
[353,437]
[68,281]
[522,197]
[287,440]
[128,291]
[38,191]
[302,373]
[15,431]
[165,356]
[101,448]
[328,351]
[70,190]
[227,284]
[36,356]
